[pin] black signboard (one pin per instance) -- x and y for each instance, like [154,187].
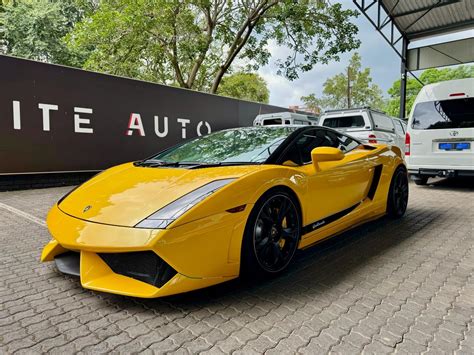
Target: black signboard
[59,119]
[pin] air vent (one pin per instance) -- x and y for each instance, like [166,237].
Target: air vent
[145,266]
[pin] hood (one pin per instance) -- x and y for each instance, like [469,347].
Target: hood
[125,195]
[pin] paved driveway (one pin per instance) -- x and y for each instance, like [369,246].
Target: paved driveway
[404,286]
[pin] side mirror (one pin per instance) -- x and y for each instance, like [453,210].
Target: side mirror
[321,154]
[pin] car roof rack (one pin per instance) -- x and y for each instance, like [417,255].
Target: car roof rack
[356,109]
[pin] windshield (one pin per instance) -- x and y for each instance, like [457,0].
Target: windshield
[456,113]
[243,145]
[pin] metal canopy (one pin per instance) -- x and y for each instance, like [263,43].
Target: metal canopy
[398,20]
[423,18]
[401,21]
[441,54]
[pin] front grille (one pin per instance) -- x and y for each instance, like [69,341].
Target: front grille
[145,266]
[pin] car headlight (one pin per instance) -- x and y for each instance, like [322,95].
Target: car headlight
[168,214]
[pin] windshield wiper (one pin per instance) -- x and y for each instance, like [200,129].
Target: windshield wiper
[155,163]
[197,165]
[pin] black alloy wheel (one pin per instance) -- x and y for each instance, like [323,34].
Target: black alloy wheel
[276,233]
[398,195]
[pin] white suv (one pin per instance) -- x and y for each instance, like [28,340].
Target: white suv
[284,119]
[440,136]
[368,125]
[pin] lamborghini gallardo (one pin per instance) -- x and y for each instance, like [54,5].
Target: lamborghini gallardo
[235,202]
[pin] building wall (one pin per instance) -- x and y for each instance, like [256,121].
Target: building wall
[59,119]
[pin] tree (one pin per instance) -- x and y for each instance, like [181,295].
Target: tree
[429,76]
[351,88]
[194,43]
[35,29]
[312,103]
[245,86]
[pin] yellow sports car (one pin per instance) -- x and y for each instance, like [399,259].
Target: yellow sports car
[238,201]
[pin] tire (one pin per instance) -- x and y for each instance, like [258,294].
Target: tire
[271,235]
[421,181]
[397,200]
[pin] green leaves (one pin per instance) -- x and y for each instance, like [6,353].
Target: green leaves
[188,43]
[245,86]
[351,88]
[194,43]
[429,76]
[35,30]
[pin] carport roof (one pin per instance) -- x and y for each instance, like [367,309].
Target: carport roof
[410,20]
[423,18]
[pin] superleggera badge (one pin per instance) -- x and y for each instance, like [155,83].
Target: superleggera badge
[318,224]
[87,208]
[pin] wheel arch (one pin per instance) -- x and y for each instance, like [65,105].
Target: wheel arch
[291,192]
[244,257]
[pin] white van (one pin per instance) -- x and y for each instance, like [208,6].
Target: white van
[285,118]
[367,124]
[440,135]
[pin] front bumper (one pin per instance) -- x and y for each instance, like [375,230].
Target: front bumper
[202,253]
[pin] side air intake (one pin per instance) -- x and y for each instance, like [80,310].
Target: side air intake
[145,266]
[375,181]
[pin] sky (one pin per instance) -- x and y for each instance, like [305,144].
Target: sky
[375,52]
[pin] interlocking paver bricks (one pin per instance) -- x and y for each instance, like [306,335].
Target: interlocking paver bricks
[403,286]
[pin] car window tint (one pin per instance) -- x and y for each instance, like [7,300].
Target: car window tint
[300,151]
[272,121]
[305,123]
[344,122]
[382,122]
[445,114]
[346,143]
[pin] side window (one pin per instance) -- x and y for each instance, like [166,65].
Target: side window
[271,121]
[300,151]
[382,122]
[399,127]
[346,143]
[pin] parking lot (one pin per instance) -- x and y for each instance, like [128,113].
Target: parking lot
[388,286]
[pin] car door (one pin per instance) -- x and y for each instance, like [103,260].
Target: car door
[338,186]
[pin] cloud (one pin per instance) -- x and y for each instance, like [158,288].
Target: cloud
[375,52]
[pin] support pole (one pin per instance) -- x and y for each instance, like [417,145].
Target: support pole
[403,78]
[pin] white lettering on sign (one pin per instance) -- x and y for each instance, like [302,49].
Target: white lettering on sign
[16,115]
[46,118]
[78,120]
[164,133]
[200,124]
[184,122]
[135,122]
[82,123]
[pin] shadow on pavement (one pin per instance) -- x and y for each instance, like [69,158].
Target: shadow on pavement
[458,183]
[314,270]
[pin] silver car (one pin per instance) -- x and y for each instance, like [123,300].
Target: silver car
[368,125]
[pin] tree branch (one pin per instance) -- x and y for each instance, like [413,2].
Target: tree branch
[174,51]
[241,39]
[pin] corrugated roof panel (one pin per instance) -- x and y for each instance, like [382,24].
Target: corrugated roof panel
[435,16]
